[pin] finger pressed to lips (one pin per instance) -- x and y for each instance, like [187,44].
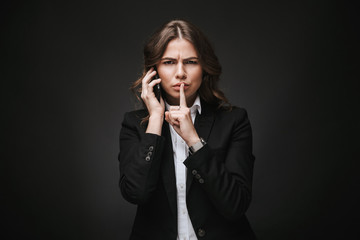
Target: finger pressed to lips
[182,96]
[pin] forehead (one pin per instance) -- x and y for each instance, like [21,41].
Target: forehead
[180,48]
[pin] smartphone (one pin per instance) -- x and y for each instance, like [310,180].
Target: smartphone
[157,89]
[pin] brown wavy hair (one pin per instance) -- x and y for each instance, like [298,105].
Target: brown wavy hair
[156,45]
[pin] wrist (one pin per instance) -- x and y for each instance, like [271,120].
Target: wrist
[193,141]
[156,117]
[197,146]
[155,124]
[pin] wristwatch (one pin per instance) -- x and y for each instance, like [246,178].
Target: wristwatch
[197,146]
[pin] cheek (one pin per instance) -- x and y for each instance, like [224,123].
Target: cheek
[165,75]
[165,81]
[198,77]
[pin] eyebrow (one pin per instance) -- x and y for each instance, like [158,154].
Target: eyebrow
[170,58]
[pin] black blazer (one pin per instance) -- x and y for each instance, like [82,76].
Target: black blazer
[219,176]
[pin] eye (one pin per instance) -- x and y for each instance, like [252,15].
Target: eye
[168,62]
[191,62]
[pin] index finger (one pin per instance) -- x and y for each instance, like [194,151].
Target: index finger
[182,96]
[148,77]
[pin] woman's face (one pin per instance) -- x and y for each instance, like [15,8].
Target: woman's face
[180,64]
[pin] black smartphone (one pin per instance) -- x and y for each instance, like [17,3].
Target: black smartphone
[157,89]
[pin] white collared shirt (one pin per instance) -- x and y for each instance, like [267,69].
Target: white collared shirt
[181,152]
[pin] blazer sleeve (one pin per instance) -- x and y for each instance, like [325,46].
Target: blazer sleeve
[140,158]
[226,175]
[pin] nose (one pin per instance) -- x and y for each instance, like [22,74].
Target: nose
[180,72]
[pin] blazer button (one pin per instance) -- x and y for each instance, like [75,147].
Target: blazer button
[201,180]
[147,158]
[201,232]
[194,172]
[197,176]
[151,148]
[149,153]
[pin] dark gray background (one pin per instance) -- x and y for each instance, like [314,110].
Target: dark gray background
[67,67]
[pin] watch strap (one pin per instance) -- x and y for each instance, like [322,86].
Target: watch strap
[197,146]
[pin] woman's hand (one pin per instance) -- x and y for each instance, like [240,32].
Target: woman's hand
[155,108]
[180,118]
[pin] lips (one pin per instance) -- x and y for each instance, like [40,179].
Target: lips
[177,86]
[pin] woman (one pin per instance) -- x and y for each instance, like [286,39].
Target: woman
[186,158]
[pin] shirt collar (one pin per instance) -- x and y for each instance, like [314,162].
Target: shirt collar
[196,105]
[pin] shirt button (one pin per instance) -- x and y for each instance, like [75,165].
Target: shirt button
[201,232]
[181,186]
[147,158]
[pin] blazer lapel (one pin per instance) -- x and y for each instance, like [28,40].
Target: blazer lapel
[203,125]
[168,169]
